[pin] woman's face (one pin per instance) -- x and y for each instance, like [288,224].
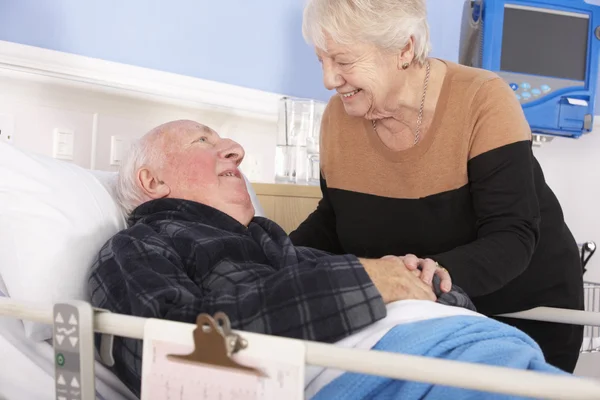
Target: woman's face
[363,76]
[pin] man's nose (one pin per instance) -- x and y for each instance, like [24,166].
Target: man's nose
[331,79]
[231,150]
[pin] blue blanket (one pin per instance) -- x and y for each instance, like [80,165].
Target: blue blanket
[461,338]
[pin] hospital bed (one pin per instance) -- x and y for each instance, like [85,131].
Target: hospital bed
[28,293]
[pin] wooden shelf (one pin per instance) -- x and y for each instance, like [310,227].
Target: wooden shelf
[287,190]
[287,204]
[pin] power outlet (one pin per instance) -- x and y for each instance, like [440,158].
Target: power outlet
[7,128]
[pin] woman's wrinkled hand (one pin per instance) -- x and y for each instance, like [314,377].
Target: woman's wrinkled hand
[426,268]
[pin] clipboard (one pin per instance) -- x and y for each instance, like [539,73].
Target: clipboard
[209,361]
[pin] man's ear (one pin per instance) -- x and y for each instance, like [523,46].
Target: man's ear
[151,185]
[407,54]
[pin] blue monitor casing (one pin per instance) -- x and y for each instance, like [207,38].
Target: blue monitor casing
[546,50]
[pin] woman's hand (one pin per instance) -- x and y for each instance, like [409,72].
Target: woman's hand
[428,268]
[396,282]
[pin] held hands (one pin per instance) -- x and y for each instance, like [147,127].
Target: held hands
[428,268]
[395,281]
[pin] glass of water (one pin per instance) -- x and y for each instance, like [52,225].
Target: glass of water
[297,140]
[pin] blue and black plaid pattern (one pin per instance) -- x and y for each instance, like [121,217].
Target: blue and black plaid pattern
[179,258]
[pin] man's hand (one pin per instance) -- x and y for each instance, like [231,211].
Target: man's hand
[395,281]
[428,269]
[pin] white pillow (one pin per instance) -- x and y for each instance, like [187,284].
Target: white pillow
[3,289]
[258,210]
[54,218]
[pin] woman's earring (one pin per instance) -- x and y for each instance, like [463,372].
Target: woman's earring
[405,65]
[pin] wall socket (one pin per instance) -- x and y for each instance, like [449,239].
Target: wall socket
[7,128]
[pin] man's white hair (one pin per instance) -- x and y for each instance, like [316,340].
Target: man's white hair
[388,24]
[142,153]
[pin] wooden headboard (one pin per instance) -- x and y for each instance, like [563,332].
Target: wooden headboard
[288,205]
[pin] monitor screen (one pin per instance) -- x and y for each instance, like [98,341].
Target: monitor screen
[544,42]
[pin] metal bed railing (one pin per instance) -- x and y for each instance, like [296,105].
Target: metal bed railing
[464,375]
[591,291]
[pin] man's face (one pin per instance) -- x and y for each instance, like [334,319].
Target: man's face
[199,165]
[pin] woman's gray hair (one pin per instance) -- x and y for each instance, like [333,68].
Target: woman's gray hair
[141,153]
[388,24]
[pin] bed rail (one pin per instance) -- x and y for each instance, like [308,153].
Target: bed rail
[558,315]
[395,366]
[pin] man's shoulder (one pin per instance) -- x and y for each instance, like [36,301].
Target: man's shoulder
[166,238]
[134,235]
[131,243]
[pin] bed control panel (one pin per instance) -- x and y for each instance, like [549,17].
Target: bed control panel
[73,347]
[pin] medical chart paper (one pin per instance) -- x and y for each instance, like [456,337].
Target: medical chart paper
[283,361]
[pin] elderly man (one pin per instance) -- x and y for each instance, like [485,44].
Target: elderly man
[194,246]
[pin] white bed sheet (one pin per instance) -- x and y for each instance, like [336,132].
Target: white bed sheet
[27,368]
[398,313]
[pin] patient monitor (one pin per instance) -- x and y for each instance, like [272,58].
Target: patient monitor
[546,50]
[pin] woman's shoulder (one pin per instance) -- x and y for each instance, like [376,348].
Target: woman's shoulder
[478,91]
[470,81]
[461,72]
[492,111]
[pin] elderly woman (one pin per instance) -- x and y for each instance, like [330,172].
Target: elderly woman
[431,161]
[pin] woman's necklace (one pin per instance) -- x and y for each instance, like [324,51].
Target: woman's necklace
[420,117]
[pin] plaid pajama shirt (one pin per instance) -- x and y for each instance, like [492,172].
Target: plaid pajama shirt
[179,258]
